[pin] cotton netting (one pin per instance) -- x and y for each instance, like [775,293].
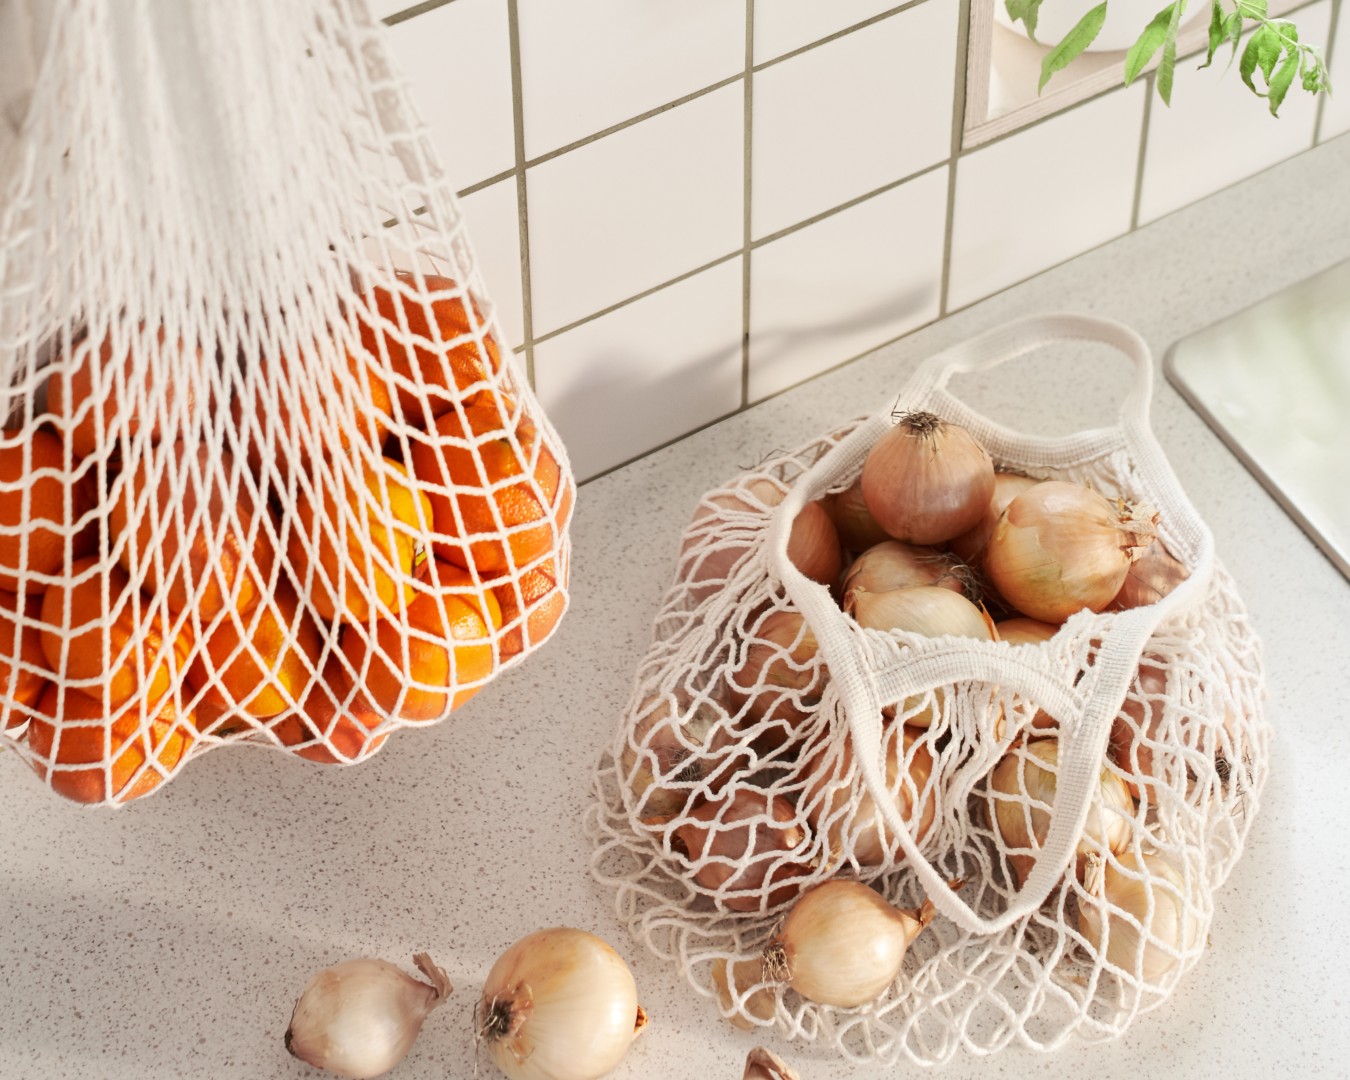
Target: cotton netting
[734,781]
[268,473]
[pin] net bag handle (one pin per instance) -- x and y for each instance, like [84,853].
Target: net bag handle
[856,667]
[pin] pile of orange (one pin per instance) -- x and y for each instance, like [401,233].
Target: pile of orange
[364,544]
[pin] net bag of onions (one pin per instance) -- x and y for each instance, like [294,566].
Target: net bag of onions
[267,475]
[947,734]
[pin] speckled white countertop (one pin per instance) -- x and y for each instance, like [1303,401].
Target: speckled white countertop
[170,939]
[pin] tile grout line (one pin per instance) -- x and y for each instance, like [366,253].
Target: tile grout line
[960,77]
[1149,90]
[412,12]
[522,202]
[1328,57]
[871,21]
[746,164]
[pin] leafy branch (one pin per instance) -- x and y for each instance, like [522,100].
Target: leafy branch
[1273,48]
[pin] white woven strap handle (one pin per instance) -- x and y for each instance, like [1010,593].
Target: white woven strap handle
[1085,712]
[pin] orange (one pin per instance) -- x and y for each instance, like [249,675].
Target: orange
[449,645]
[367,564]
[133,639]
[422,355]
[169,547]
[124,758]
[260,663]
[327,428]
[20,654]
[526,507]
[334,726]
[532,606]
[72,396]
[44,518]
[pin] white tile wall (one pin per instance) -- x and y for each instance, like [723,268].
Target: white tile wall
[1044,194]
[589,64]
[466,101]
[641,206]
[1215,134]
[839,120]
[836,288]
[784,25]
[492,216]
[1336,111]
[650,252]
[647,372]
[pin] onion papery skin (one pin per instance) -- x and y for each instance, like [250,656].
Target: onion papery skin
[813,545]
[857,528]
[559,1004]
[926,481]
[749,843]
[671,750]
[1151,577]
[969,546]
[894,564]
[780,681]
[1169,927]
[856,829]
[1061,547]
[737,514]
[1025,777]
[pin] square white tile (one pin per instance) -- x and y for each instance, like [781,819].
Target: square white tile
[382,9]
[587,65]
[492,217]
[1217,132]
[845,284]
[784,25]
[1336,111]
[852,115]
[458,59]
[646,373]
[1044,194]
[628,212]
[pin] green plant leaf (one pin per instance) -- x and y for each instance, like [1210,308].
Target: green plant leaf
[1167,65]
[1075,41]
[1263,51]
[1025,11]
[1216,31]
[1150,41]
[1252,9]
[1233,28]
[1279,85]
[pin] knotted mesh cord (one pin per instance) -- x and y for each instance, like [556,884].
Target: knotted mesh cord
[199,243]
[693,733]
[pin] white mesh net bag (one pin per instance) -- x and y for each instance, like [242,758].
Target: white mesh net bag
[266,475]
[771,743]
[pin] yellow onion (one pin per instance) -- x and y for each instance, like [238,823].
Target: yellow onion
[1140,912]
[842,944]
[813,545]
[926,480]
[857,528]
[672,749]
[897,565]
[559,1004]
[781,678]
[1026,778]
[969,546]
[763,1064]
[731,979]
[1024,631]
[723,531]
[837,802]
[1151,577]
[1061,547]
[746,848]
[1136,732]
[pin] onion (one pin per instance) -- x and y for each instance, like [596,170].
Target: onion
[1151,577]
[837,803]
[926,481]
[857,528]
[1139,915]
[781,678]
[746,848]
[969,546]
[813,545]
[763,1064]
[842,944]
[1060,547]
[671,751]
[723,531]
[1021,792]
[559,1004]
[1135,733]
[894,564]
[731,980]
[1024,631]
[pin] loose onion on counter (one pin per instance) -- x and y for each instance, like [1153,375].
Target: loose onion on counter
[842,944]
[763,1064]
[1061,547]
[926,480]
[559,1004]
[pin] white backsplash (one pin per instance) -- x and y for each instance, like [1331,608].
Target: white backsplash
[688,222]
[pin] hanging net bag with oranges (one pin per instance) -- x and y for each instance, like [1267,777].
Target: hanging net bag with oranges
[266,473]
[848,803]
